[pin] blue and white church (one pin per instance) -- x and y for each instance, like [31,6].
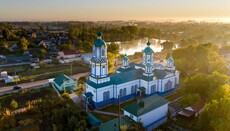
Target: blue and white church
[131,79]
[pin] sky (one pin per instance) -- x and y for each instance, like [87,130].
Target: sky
[108,10]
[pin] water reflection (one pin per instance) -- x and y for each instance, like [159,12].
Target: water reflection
[130,47]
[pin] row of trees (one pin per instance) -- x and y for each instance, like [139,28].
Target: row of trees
[202,58]
[47,114]
[207,79]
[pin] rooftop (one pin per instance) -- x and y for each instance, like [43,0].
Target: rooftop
[60,79]
[113,124]
[145,105]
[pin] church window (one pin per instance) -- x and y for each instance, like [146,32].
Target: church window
[121,92]
[124,92]
[106,95]
[133,90]
[168,85]
[103,52]
[153,88]
[175,81]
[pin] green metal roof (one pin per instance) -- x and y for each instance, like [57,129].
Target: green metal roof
[119,78]
[145,105]
[88,94]
[148,65]
[147,78]
[148,51]
[113,124]
[148,43]
[60,79]
[93,120]
[160,74]
[99,42]
[170,59]
[131,67]
[125,58]
[18,58]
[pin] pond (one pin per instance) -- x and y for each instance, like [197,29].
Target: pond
[130,47]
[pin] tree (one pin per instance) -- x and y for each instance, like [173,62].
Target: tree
[23,44]
[190,99]
[215,116]
[111,61]
[167,45]
[113,48]
[7,120]
[43,52]
[14,104]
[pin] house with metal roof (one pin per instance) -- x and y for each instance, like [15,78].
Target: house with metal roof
[130,79]
[64,83]
[151,111]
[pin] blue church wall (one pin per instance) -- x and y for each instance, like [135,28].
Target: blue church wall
[128,97]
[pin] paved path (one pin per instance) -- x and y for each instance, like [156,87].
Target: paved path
[106,113]
[37,83]
[74,97]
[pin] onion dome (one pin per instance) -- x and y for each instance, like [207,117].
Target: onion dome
[148,65]
[125,58]
[170,58]
[148,50]
[99,42]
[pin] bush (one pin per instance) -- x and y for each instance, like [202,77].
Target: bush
[65,95]
[14,104]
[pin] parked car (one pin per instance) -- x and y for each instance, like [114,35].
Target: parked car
[17,87]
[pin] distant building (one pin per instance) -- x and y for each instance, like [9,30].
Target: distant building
[151,111]
[192,111]
[68,54]
[63,82]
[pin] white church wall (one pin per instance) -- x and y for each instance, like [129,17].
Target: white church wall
[130,115]
[164,81]
[100,92]
[92,90]
[128,86]
[154,115]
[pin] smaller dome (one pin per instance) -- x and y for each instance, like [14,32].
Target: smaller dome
[170,59]
[148,43]
[99,42]
[125,58]
[99,34]
[148,65]
[148,51]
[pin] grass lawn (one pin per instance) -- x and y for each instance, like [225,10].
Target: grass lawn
[114,108]
[23,97]
[173,96]
[102,117]
[49,71]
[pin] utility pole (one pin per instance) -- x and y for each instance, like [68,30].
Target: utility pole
[71,69]
[119,121]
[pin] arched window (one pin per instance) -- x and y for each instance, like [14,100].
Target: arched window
[106,95]
[103,52]
[168,85]
[121,92]
[124,92]
[132,89]
[153,88]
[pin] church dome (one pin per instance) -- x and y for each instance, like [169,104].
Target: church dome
[170,59]
[99,42]
[148,50]
[148,65]
[125,58]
